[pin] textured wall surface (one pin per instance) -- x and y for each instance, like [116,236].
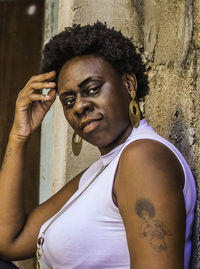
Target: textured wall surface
[171,43]
[168,31]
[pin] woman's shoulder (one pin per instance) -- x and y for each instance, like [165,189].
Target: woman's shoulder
[147,158]
[148,189]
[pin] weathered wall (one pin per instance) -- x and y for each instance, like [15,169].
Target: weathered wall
[171,42]
[168,30]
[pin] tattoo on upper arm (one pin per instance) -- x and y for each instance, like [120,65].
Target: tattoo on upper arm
[153,229]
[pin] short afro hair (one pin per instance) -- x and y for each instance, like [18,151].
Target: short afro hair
[101,41]
[145,205]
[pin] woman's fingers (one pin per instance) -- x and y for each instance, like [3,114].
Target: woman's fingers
[39,82]
[36,97]
[42,77]
[37,85]
[32,105]
[52,94]
[50,98]
[24,101]
[31,92]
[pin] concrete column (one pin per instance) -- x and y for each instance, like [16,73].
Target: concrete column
[47,128]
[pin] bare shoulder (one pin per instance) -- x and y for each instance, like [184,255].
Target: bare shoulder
[148,189]
[151,158]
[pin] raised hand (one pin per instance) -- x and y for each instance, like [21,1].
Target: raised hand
[32,106]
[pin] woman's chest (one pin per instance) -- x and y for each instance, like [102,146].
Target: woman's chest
[91,227]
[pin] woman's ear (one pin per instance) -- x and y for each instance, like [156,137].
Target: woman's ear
[130,81]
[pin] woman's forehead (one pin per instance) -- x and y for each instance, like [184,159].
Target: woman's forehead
[85,63]
[80,68]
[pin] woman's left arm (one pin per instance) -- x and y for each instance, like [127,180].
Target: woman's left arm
[148,188]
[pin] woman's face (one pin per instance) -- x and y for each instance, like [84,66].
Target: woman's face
[95,101]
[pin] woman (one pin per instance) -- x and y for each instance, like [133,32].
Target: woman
[134,207]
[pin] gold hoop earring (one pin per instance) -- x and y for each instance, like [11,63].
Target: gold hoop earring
[76,144]
[134,111]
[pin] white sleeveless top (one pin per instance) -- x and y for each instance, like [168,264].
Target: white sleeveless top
[91,233]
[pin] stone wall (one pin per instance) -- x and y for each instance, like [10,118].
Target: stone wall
[168,31]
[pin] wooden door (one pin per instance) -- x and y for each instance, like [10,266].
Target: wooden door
[21,38]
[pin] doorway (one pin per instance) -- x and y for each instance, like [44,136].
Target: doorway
[21,39]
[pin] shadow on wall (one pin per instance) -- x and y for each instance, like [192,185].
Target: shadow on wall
[183,137]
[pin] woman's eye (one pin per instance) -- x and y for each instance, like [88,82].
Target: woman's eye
[69,101]
[94,90]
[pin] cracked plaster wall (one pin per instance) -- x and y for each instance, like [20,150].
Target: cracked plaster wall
[171,45]
[168,31]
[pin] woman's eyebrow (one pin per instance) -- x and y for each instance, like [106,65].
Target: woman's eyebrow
[82,84]
[66,93]
[88,79]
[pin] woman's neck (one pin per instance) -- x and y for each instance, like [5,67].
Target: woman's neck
[119,140]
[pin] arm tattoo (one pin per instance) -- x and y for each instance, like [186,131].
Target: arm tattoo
[151,228]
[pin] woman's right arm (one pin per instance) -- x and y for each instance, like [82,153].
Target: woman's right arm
[18,234]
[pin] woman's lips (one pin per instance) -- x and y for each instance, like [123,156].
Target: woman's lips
[91,126]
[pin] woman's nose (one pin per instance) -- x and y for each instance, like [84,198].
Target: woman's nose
[82,105]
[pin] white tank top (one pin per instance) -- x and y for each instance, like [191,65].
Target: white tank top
[91,233]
